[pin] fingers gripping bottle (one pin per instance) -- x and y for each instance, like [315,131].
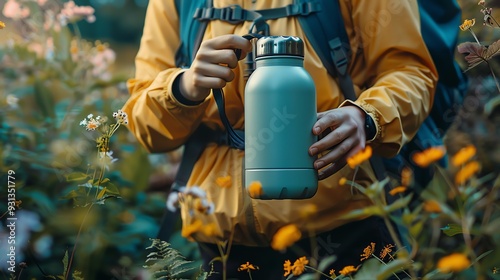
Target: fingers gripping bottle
[280,111]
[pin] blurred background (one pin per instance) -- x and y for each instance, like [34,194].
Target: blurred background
[48,88]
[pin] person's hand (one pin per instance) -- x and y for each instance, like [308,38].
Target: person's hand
[212,66]
[343,134]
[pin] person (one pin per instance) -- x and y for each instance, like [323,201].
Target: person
[394,79]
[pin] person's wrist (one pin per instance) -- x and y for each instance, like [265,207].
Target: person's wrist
[177,92]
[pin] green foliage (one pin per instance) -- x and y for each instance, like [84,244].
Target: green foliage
[167,263]
[50,80]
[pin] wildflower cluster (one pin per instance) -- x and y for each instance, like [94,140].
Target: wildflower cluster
[298,267]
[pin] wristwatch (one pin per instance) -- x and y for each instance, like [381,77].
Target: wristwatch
[370,128]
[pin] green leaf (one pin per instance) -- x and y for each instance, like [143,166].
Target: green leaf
[110,188]
[398,204]
[392,267]
[76,176]
[65,262]
[101,193]
[452,229]
[361,213]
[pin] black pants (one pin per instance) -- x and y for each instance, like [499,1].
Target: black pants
[346,242]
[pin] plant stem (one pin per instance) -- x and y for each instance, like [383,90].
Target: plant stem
[70,261]
[494,76]
[399,245]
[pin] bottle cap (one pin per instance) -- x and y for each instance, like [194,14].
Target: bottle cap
[279,45]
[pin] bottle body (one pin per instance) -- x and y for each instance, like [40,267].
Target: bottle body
[280,111]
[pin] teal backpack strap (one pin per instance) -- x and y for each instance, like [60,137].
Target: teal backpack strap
[190,31]
[326,32]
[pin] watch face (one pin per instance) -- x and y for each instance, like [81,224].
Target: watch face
[370,129]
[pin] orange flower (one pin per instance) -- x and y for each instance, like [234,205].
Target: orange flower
[287,266]
[432,206]
[360,157]
[308,210]
[2,24]
[368,251]
[255,189]
[332,272]
[224,182]
[455,262]
[247,267]
[468,24]
[299,266]
[189,230]
[466,172]
[342,181]
[386,250]
[464,155]
[285,237]
[406,176]
[428,156]
[397,190]
[348,270]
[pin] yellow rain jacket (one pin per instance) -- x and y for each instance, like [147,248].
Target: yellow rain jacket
[394,78]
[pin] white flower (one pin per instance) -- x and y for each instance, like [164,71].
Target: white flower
[173,201]
[196,192]
[12,101]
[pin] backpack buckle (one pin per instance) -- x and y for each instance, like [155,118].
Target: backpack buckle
[232,14]
[303,9]
[339,56]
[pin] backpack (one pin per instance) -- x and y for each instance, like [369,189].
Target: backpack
[323,19]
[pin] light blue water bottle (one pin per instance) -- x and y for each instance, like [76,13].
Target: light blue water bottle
[280,111]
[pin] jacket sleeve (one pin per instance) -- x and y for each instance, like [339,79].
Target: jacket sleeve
[157,119]
[399,73]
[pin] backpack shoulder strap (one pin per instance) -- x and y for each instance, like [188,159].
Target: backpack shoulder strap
[326,32]
[190,30]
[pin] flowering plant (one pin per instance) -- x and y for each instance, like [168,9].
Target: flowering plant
[50,80]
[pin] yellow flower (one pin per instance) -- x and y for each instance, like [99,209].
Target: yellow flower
[432,206]
[464,155]
[285,237]
[428,156]
[406,176]
[308,210]
[287,266]
[455,262]
[386,250]
[342,181]
[348,270]
[189,230]
[468,23]
[360,157]
[299,266]
[332,272]
[255,189]
[397,190]
[247,267]
[368,251]
[224,182]
[2,24]
[466,172]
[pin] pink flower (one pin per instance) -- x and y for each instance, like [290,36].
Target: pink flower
[14,10]
[72,13]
